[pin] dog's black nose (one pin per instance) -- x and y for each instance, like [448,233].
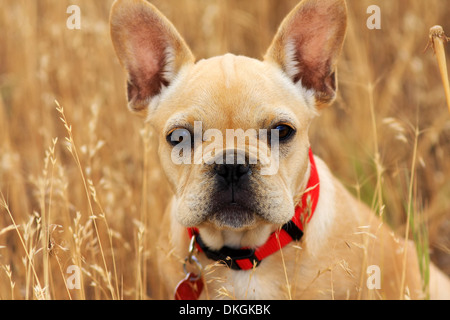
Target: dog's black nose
[232,173]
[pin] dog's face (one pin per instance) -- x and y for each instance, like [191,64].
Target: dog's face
[242,95]
[233,130]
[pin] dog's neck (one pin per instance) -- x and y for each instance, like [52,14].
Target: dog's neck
[255,237]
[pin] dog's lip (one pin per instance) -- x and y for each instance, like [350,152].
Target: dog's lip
[233,215]
[258,223]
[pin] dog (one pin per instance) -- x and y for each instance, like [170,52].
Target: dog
[231,231]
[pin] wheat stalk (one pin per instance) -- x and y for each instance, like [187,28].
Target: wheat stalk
[38,288]
[73,150]
[437,40]
[409,213]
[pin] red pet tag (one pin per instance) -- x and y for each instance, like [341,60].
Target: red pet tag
[189,288]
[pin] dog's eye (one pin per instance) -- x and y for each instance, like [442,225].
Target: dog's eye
[284,132]
[179,135]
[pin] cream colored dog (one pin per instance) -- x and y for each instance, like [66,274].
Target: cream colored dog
[345,253]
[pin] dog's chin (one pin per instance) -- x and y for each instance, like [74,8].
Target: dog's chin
[233,216]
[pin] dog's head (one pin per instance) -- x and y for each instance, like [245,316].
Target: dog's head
[224,121]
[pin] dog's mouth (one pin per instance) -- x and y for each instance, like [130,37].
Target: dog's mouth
[235,197]
[232,215]
[243,210]
[234,207]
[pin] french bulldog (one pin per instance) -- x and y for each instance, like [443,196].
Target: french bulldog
[293,233]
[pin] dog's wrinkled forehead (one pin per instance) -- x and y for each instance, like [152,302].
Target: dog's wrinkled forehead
[226,65]
[248,89]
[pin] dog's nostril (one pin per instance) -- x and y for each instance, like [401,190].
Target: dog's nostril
[221,169]
[231,172]
[242,169]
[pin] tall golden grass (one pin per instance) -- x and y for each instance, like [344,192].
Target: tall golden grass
[79,178]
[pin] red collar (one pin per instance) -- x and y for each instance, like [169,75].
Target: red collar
[245,258]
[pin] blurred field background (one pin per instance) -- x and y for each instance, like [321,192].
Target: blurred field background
[97,204]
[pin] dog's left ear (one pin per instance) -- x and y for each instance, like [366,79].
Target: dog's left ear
[308,44]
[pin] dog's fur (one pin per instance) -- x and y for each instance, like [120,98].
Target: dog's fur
[296,79]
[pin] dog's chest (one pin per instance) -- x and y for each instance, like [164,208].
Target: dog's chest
[243,285]
[272,279]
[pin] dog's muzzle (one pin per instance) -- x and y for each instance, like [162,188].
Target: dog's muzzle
[233,198]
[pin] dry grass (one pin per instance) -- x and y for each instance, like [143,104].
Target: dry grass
[438,40]
[88,191]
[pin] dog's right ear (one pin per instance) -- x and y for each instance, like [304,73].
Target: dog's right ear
[150,49]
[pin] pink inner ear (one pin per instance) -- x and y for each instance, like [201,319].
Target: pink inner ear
[148,45]
[316,32]
[311,34]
